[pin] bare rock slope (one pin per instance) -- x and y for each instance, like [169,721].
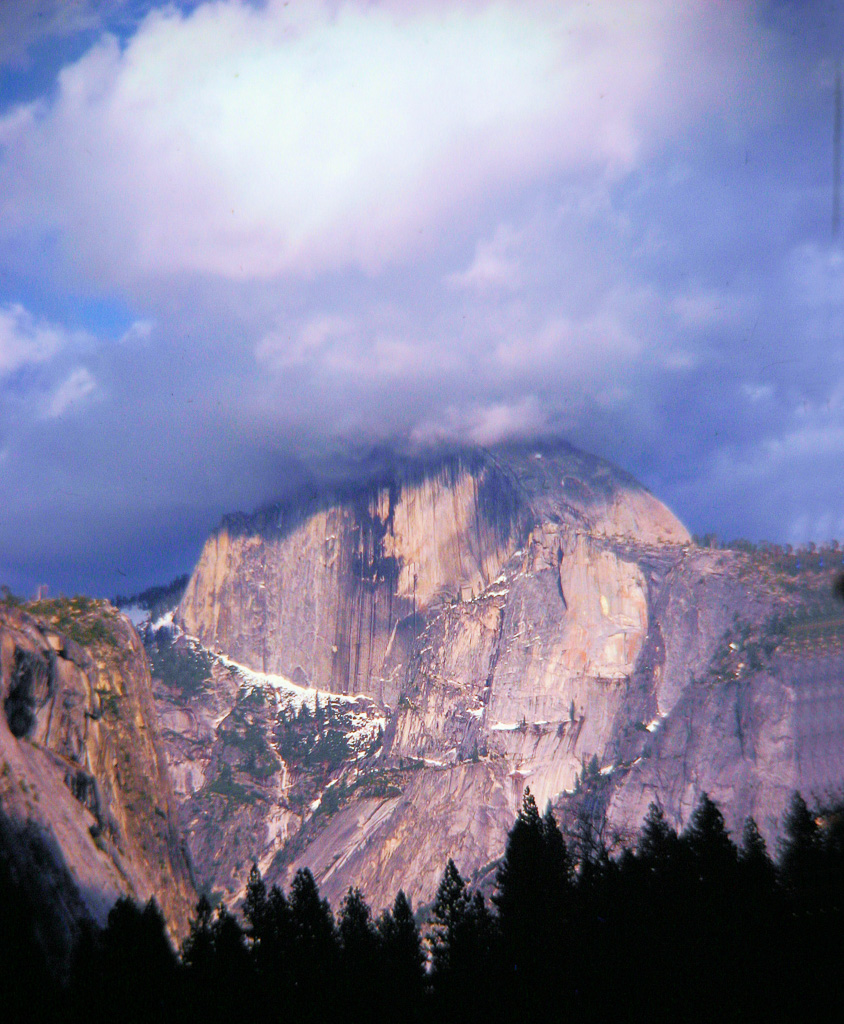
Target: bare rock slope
[525,615]
[87,812]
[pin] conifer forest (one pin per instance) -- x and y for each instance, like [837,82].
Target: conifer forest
[686,927]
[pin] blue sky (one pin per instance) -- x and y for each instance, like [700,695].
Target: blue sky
[239,241]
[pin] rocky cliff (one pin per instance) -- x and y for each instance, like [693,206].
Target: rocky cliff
[87,812]
[330,591]
[529,615]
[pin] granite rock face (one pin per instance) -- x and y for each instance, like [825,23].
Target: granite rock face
[749,739]
[324,592]
[527,615]
[86,805]
[329,591]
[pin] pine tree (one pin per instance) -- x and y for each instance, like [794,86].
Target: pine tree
[258,914]
[657,839]
[531,886]
[255,907]
[357,934]
[131,973]
[311,917]
[233,989]
[659,891]
[447,914]
[218,969]
[313,949]
[801,848]
[760,927]
[757,869]
[711,848]
[520,875]
[274,961]
[558,868]
[462,941]
[197,952]
[359,977]
[403,960]
[533,895]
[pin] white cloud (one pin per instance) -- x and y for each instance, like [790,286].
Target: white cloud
[138,333]
[681,359]
[282,348]
[18,123]
[787,482]
[484,424]
[71,394]
[25,340]
[252,141]
[495,264]
[757,392]
[379,347]
[577,348]
[817,276]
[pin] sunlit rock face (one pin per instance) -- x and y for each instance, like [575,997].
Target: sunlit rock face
[87,811]
[325,591]
[493,602]
[363,681]
[528,615]
[332,591]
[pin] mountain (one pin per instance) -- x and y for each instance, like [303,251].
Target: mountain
[87,811]
[379,669]
[331,590]
[364,678]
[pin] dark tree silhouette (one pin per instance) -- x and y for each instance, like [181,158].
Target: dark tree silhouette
[657,839]
[447,913]
[686,928]
[268,932]
[461,940]
[359,960]
[533,898]
[799,859]
[313,951]
[756,869]
[402,961]
[128,971]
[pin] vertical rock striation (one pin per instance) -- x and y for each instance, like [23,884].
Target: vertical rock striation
[528,615]
[328,591]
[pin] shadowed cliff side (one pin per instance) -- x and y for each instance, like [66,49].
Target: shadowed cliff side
[85,799]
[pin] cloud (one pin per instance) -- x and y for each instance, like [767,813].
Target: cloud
[495,264]
[377,347]
[248,142]
[779,482]
[815,279]
[584,347]
[279,350]
[25,340]
[74,391]
[139,333]
[485,424]
[296,231]
[757,392]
